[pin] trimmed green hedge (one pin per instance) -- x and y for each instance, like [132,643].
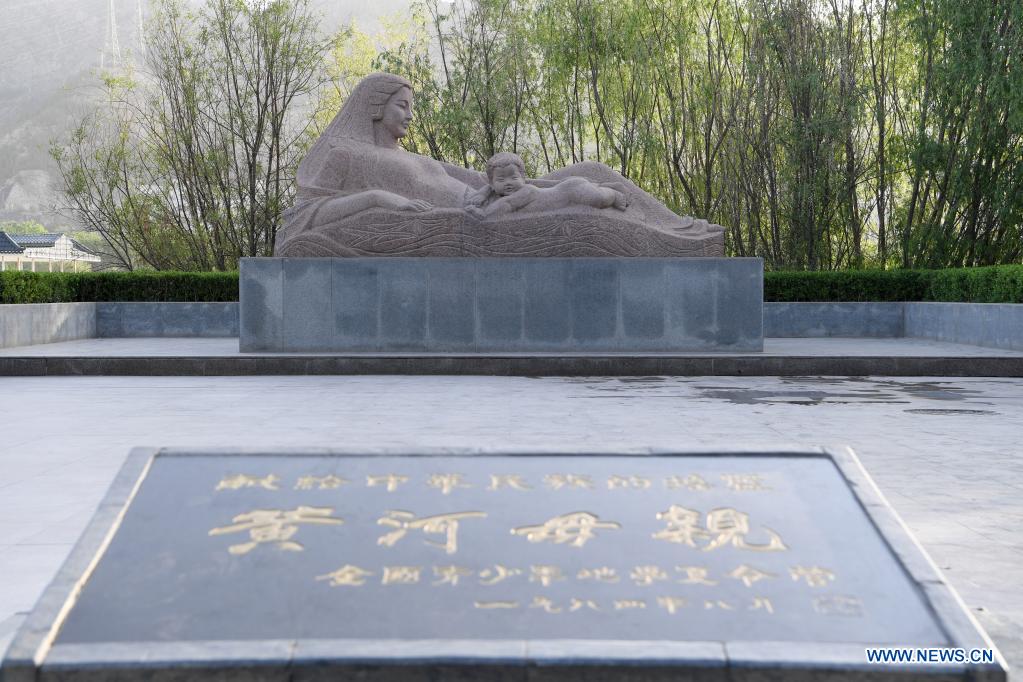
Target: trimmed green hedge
[1002,284]
[70,287]
[846,285]
[30,287]
[996,284]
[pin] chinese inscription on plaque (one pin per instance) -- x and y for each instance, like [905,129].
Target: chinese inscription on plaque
[654,585]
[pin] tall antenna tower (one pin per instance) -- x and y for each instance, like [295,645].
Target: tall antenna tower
[110,57]
[140,17]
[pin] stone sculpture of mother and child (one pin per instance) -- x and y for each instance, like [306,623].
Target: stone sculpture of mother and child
[361,194]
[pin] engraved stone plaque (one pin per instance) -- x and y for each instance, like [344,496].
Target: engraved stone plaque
[295,565]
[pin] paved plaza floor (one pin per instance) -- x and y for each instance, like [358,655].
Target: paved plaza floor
[946,452]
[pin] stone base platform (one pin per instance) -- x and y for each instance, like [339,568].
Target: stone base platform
[498,305]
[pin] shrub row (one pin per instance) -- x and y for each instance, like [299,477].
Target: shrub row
[70,287]
[996,284]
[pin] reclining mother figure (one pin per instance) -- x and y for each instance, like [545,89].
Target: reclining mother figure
[361,194]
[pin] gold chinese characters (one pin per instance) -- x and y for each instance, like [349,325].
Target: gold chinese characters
[448,483]
[573,529]
[275,526]
[724,526]
[667,604]
[444,524]
[651,584]
[551,575]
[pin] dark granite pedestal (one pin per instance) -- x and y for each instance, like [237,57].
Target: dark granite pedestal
[485,305]
[322,565]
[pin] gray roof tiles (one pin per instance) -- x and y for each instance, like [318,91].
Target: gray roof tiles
[36,240]
[8,245]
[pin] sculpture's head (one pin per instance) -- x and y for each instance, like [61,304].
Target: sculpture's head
[390,101]
[379,100]
[506,173]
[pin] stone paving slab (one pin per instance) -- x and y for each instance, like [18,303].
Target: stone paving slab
[945,452]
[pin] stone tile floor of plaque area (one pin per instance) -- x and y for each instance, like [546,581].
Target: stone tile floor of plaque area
[946,452]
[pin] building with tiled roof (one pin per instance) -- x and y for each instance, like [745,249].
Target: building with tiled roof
[50,252]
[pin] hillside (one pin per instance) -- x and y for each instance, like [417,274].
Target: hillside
[50,54]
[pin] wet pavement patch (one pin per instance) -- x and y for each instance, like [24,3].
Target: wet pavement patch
[851,390]
[939,411]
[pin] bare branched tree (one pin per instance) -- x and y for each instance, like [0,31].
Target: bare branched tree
[189,162]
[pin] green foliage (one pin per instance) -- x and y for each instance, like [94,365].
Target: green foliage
[978,285]
[994,284]
[846,285]
[23,227]
[37,287]
[158,286]
[66,287]
[964,206]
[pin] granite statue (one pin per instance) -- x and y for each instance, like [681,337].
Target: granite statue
[507,190]
[361,194]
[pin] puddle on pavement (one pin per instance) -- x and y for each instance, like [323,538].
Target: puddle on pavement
[806,391]
[942,412]
[754,397]
[858,390]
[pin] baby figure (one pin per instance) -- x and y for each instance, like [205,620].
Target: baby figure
[508,191]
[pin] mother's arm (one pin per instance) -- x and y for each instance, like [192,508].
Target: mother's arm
[337,208]
[334,203]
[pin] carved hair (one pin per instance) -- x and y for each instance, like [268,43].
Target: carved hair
[365,105]
[502,159]
[355,120]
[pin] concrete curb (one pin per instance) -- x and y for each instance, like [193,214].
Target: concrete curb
[525,365]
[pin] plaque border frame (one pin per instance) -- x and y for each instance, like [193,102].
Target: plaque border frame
[32,654]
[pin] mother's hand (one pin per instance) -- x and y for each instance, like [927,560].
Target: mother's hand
[384,199]
[415,205]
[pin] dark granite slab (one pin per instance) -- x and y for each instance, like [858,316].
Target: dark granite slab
[699,565]
[480,305]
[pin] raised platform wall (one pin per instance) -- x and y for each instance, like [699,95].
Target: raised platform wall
[154,320]
[501,304]
[994,325]
[822,320]
[36,323]
[982,324]
[997,325]
[32,323]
